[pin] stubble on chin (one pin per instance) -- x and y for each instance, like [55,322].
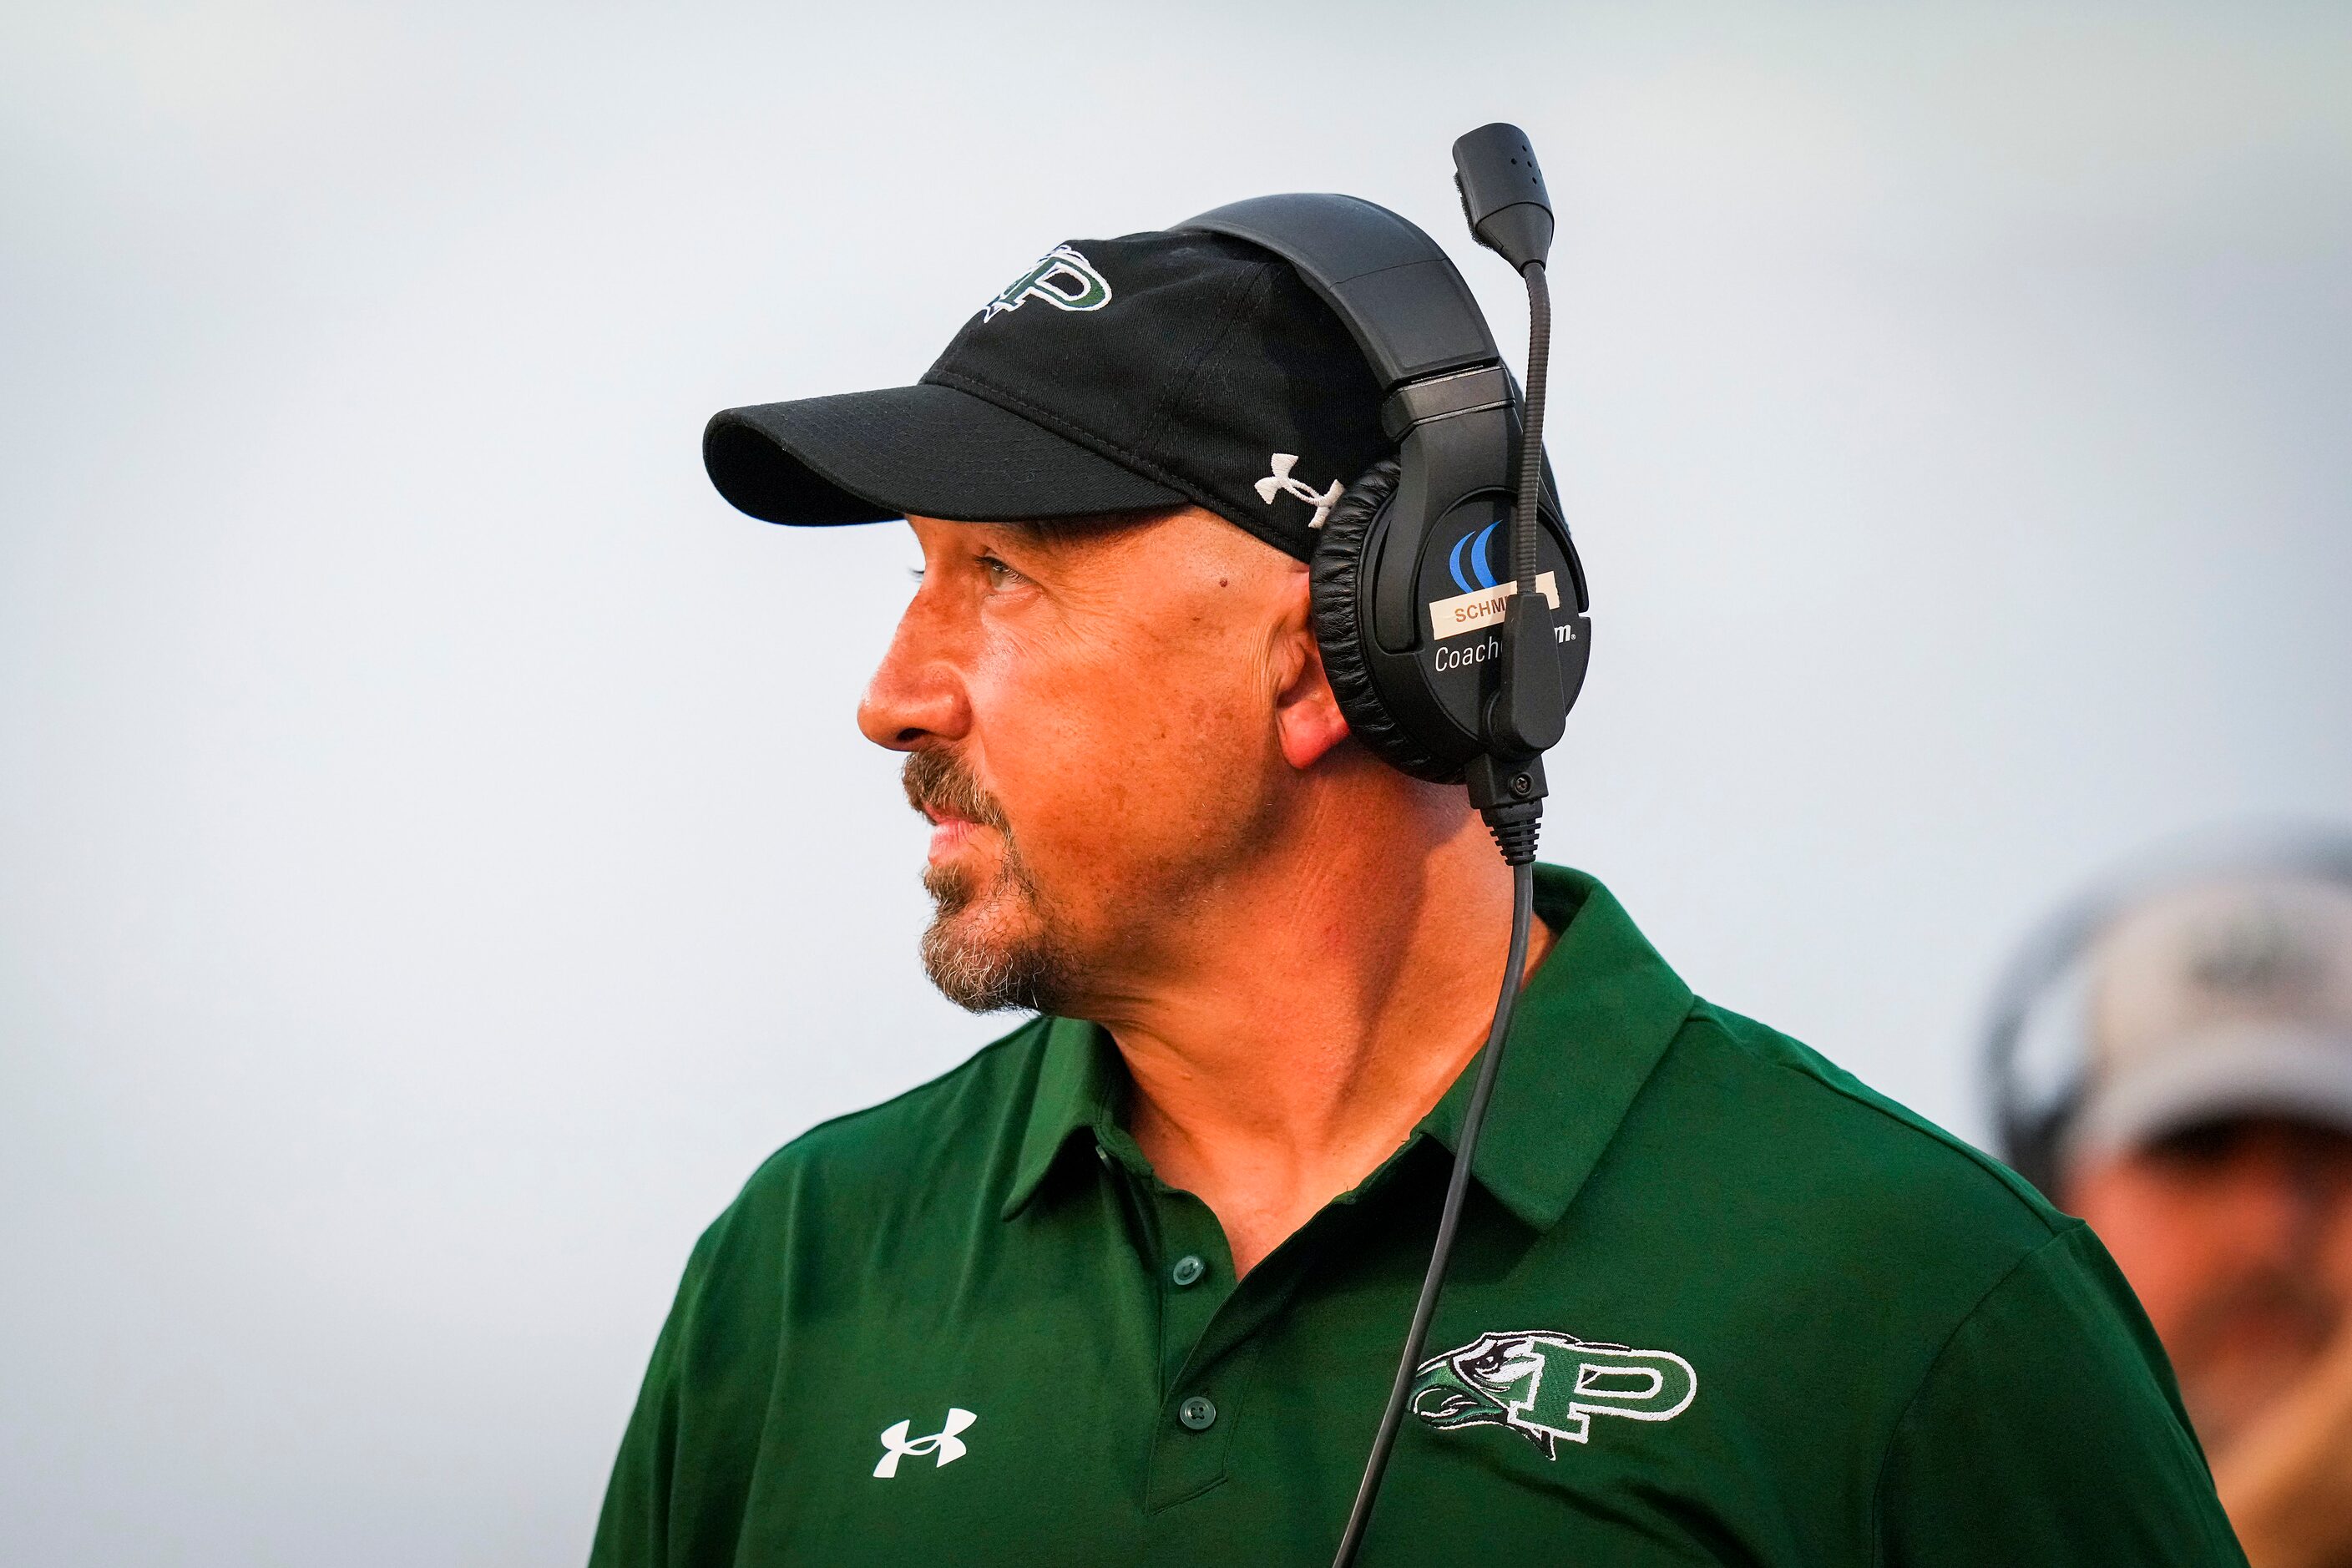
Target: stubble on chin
[991,946]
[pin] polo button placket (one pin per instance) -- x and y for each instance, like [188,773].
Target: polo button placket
[1198,1420]
[1201,1395]
[1192,1289]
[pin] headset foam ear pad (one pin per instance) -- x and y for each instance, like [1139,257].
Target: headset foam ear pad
[1339,555]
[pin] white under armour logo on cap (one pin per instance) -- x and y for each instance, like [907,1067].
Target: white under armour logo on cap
[1280,482]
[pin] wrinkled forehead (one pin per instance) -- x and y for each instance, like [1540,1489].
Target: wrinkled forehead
[1168,547]
[1058,535]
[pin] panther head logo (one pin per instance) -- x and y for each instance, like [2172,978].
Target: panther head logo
[1548,1386]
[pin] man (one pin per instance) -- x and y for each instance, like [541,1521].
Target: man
[1128,1285]
[2212,1153]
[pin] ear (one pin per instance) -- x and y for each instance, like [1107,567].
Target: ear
[1307,717]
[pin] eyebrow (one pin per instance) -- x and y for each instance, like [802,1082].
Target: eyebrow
[1056,534]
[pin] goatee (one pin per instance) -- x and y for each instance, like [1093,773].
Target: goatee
[991,946]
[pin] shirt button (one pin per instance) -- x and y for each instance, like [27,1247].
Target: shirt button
[1197,1413]
[1188,1270]
[1103,1154]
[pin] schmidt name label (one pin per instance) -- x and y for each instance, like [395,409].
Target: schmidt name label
[1470,612]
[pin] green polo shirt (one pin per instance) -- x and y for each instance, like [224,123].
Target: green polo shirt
[1714,1300]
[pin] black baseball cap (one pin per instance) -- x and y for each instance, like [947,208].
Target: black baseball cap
[1113,375]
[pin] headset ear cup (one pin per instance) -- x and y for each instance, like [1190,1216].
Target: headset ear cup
[1340,559]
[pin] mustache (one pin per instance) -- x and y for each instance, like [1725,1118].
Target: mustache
[938,783]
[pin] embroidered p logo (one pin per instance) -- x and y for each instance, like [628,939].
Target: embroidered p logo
[945,1443]
[1062,277]
[1547,1388]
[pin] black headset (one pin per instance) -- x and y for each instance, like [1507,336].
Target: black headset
[1443,667]
[1454,698]
[2034,1110]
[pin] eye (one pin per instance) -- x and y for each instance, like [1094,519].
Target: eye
[999,574]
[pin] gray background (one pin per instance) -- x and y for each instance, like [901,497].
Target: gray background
[436,859]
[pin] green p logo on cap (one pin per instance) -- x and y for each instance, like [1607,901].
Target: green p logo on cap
[1062,277]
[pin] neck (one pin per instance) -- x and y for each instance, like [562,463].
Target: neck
[1303,1014]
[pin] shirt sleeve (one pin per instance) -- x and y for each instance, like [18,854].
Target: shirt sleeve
[633,1532]
[2049,1431]
[677,1498]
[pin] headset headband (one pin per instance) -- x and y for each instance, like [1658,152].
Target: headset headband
[1399,294]
[1397,291]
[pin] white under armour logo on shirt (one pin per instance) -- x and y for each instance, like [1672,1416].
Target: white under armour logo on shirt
[1280,482]
[897,1445]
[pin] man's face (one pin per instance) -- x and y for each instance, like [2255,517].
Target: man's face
[1091,712]
[2236,1238]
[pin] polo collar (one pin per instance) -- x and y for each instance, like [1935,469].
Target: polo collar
[1077,1087]
[1590,1027]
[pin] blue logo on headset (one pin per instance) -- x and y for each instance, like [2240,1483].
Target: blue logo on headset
[1482,568]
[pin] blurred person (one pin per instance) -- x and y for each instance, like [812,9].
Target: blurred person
[1128,1284]
[2211,1150]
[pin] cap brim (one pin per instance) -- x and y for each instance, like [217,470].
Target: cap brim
[2300,1074]
[932,451]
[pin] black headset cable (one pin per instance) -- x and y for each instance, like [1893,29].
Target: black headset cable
[1449,1220]
[1514,825]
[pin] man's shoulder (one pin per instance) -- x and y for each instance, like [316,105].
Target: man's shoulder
[1855,1174]
[1759,1194]
[937,1141]
[1970,1331]
[986,1086]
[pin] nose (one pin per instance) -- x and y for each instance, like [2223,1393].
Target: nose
[917,697]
